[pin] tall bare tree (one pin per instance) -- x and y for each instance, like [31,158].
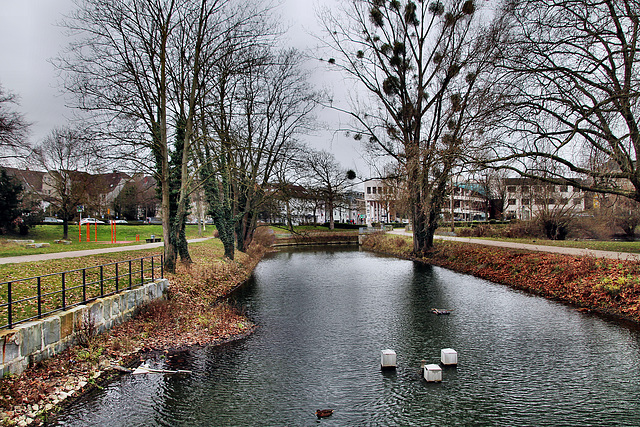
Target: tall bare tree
[66,157]
[260,101]
[142,68]
[422,65]
[117,66]
[571,93]
[243,47]
[13,128]
[328,179]
[276,102]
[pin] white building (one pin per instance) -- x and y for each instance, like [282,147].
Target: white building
[306,206]
[381,201]
[525,198]
[469,203]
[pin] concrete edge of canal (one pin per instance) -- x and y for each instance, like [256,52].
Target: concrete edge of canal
[41,339]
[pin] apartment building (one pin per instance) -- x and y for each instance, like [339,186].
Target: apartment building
[525,198]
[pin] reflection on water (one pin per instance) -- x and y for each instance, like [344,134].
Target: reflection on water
[325,314]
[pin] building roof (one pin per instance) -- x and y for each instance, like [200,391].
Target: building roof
[31,180]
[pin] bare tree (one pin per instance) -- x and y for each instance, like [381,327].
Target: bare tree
[117,66]
[422,63]
[13,128]
[259,103]
[142,67]
[276,104]
[66,157]
[288,176]
[327,178]
[570,90]
[218,132]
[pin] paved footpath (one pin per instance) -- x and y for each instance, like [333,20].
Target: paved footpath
[75,254]
[540,248]
[513,245]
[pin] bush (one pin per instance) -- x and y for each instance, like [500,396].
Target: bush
[264,236]
[515,229]
[590,228]
[10,200]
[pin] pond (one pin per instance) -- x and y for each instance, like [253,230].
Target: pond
[324,315]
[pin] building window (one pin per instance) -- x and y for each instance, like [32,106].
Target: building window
[564,188]
[525,188]
[526,202]
[512,202]
[511,189]
[374,190]
[368,190]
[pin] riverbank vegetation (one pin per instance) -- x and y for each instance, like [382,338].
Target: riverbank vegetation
[600,232]
[610,287]
[194,313]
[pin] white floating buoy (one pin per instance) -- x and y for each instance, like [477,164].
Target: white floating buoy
[448,356]
[388,359]
[432,373]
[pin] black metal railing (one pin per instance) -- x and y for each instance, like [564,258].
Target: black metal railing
[38,296]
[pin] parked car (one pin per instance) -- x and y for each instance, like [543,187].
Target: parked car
[121,221]
[90,221]
[52,220]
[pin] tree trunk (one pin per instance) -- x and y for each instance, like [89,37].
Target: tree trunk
[218,196]
[244,232]
[289,221]
[415,183]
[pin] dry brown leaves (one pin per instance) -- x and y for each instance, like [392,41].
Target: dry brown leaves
[193,314]
[607,286]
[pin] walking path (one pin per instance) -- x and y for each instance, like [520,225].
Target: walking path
[526,246]
[75,254]
[540,248]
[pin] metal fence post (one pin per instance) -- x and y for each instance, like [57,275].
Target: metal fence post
[64,296]
[16,317]
[9,311]
[39,299]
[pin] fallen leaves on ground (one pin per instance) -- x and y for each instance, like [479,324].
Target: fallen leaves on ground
[606,286]
[194,313]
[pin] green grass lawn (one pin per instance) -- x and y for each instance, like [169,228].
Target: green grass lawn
[51,285]
[50,233]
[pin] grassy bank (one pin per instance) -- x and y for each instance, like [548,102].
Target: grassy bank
[125,235]
[194,313]
[598,245]
[609,287]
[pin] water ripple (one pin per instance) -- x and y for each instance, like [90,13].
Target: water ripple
[325,316]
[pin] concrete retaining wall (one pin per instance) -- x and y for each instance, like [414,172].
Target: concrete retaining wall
[31,342]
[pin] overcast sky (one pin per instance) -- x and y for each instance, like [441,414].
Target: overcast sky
[29,37]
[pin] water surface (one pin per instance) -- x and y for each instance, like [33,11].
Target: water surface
[325,314]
